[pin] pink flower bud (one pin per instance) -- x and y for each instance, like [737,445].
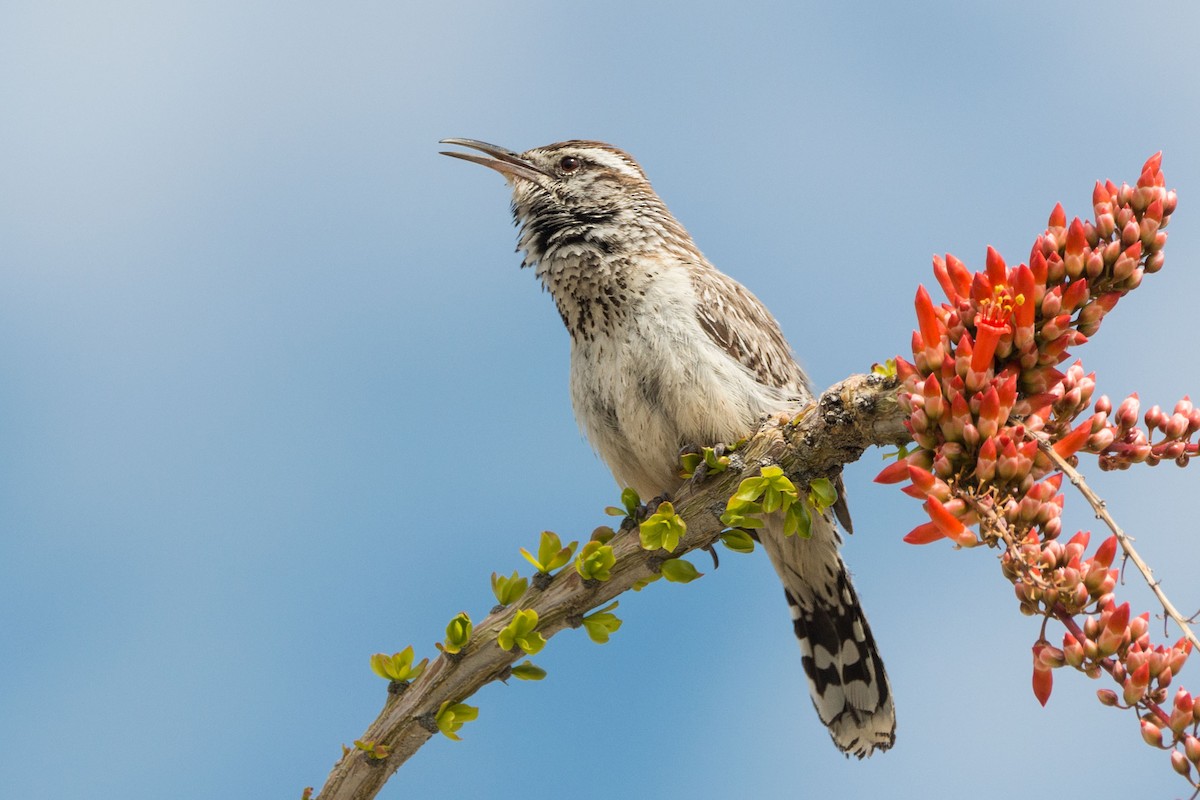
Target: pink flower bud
[1152,171]
[959,275]
[1043,677]
[1184,406]
[1127,412]
[1075,295]
[1191,747]
[1139,625]
[931,394]
[1100,441]
[1107,697]
[904,369]
[1180,764]
[918,421]
[1073,653]
[1148,227]
[1056,271]
[1052,527]
[1151,734]
[1132,691]
[1179,654]
[1130,233]
[1058,217]
[1125,195]
[970,435]
[985,466]
[1115,631]
[1076,251]
[997,270]
[931,327]
[1105,553]
[1181,712]
[944,280]
[1176,426]
[1077,543]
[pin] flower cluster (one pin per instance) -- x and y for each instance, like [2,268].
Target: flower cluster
[1120,442]
[993,417]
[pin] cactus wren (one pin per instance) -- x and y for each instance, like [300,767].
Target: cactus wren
[668,352]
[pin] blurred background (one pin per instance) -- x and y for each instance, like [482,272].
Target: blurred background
[274,395]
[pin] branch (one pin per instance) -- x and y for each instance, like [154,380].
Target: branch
[861,411]
[1101,509]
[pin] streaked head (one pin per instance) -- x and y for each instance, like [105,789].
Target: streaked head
[578,193]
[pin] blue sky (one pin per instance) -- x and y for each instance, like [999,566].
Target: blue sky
[275,395]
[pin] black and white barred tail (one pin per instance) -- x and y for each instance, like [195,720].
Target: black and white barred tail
[845,673]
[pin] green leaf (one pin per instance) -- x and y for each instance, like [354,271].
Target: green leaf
[642,583]
[822,494]
[595,561]
[532,643]
[602,624]
[551,553]
[714,462]
[380,664]
[688,463]
[631,501]
[458,633]
[678,570]
[374,751]
[603,534]
[527,671]
[398,666]
[508,590]
[797,521]
[662,529]
[452,716]
[767,493]
[739,516]
[772,500]
[887,369]
[521,632]
[738,541]
[530,558]
[548,547]
[749,490]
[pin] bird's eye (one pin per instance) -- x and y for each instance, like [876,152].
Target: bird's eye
[568,164]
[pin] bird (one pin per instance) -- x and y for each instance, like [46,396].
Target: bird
[668,352]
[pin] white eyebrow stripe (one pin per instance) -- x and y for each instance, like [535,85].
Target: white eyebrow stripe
[613,161]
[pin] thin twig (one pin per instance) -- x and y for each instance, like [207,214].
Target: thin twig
[1123,539]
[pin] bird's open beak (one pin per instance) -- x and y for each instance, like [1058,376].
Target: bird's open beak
[506,162]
